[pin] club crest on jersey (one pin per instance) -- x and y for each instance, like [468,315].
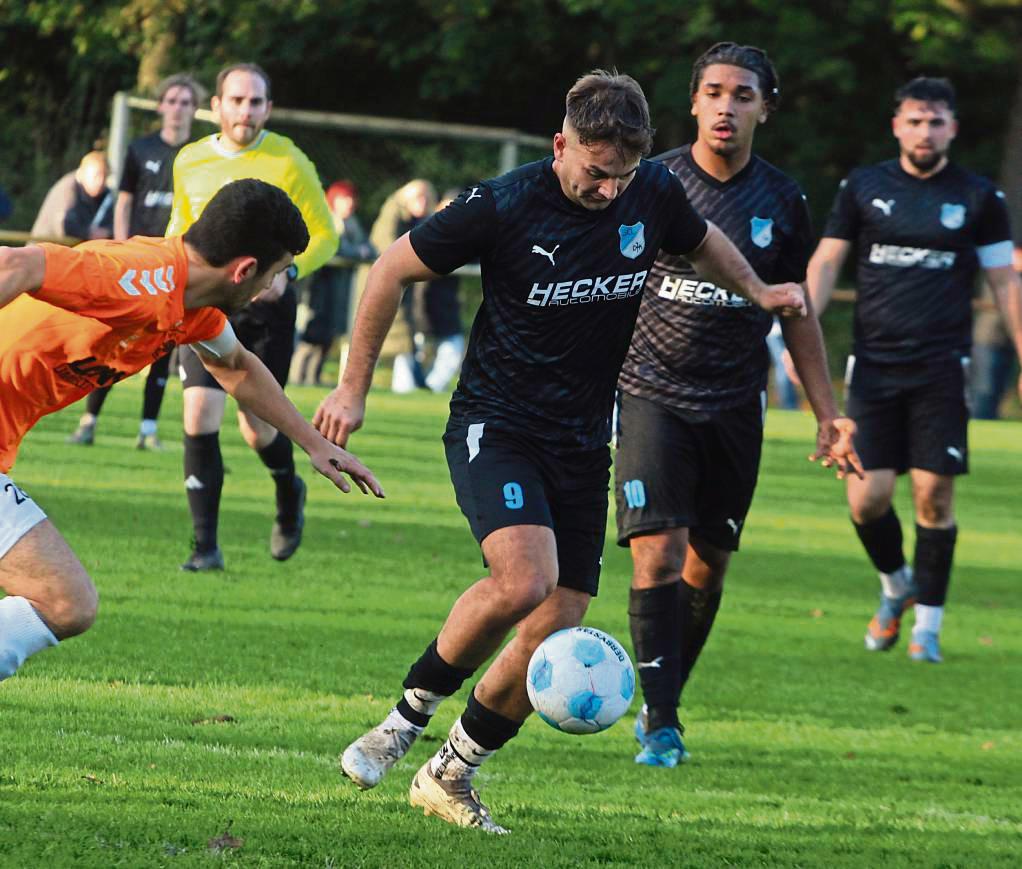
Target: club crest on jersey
[762,231]
[633,239]
[952,215]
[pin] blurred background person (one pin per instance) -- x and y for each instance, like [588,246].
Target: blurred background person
[326,310]
[992,352]
[79,205]
[144,197]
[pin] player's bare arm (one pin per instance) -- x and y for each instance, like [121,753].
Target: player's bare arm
[823,270]
[245,377]
[21,271]
[835,433]
[343,410]
[1008,292]
[122,215]
[718,260]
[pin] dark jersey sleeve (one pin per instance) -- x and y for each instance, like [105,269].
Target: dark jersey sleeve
[459,234]
[843,220]
[687,229]
[994,224]
[129,176]
[798,246]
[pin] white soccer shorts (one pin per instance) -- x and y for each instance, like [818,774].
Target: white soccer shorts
[19,514]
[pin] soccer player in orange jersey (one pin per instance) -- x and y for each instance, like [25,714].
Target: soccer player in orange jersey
[72,319]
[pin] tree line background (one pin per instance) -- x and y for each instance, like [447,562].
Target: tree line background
[509,64]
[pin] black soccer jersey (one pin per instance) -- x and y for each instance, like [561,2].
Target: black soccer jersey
[920,242]
[149,177]
[698,346]
[561,288]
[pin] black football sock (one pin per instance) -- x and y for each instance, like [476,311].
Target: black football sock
[279,457]
[882,540]
[204,481]
[94,403]
[698,611]
[155,386]
[429,681]
[935,550]
[654,619]
[490,729]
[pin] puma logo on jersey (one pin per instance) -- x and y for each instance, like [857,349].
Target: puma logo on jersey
[473,194]
[884,205]
[153,165]
[735,526]
[548,254]
[651,665]
[955,453]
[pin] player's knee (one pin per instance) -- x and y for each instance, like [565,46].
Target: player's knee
[74,611]
[868,508]
[934,514]
[524,591]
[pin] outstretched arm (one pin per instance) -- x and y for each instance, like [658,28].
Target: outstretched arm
[343,410]
[718,260]
[21,271]
[244,376]
[834,433]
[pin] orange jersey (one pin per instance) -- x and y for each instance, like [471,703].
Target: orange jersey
[105,310]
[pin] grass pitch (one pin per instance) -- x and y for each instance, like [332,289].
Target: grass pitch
[200,720]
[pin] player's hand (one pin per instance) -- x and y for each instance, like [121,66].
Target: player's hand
[835,447]
[333,463]
[784,300]
[275,290]
[338,415]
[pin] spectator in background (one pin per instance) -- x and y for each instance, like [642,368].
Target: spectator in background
[6,206]
[438,314]
[143,205]
[79,205]
[327,305]
[785,392]
[402,210]
[992,353]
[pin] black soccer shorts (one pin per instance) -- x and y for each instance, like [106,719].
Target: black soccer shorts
[504,478]
[265,328]
[682,469]
[911,416]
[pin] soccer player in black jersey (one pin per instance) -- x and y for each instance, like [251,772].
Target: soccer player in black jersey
[565,245]
[144,197]
[923,226]
[693,389]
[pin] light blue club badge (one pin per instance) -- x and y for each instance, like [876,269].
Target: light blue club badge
[633,239]
[762,231]
[952,215]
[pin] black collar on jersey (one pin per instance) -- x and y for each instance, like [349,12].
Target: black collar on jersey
[707,178]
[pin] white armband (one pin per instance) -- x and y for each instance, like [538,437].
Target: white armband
[222,344]
[996,255]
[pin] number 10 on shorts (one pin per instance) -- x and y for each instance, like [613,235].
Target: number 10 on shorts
[635,494]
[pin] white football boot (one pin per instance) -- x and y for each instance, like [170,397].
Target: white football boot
[367,760]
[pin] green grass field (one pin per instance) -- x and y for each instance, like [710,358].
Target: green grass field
[200,720]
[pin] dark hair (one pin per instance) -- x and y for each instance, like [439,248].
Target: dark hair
[181,80]
[926,90]
[248,218]
[747,57]
[610,107]
[253,68]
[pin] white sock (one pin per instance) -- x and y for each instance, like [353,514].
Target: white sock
[459,757]
[396,721]
[22,633]
[928,618]
[88,419]
[148,427]
[421,700]
[896,584]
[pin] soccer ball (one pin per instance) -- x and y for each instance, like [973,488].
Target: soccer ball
[580,680]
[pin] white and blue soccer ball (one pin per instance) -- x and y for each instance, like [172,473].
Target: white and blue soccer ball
[580,680]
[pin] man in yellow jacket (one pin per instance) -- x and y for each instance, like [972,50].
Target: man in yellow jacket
[244,149]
